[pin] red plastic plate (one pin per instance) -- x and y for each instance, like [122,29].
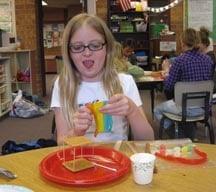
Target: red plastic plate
[52,169]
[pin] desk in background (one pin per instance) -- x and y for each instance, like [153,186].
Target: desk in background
[148,82]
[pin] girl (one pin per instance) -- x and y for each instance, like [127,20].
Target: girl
[89,75]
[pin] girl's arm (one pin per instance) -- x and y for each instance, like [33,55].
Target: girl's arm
[82,120]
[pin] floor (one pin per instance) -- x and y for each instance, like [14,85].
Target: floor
[22,130]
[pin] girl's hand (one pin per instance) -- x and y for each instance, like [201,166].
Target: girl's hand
[119,105]
[82,120]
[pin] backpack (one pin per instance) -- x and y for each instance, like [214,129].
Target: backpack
[12,147]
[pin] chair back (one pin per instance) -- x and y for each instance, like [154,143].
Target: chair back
[193,87]
[196,94]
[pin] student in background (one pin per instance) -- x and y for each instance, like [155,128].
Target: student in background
[122,65]
[89,75]
[204,47]
[129,54]
[211,46]
[169,57]
[192,65]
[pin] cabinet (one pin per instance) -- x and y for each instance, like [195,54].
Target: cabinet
[5,87]
[50,64]
[21,76]
[130,28]
[157,22]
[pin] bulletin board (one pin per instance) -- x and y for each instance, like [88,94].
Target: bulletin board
[53,34]
[7,16]
[201,13]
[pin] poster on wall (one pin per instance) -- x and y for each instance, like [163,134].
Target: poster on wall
[168,46]
[200,13]
[53,35]
[5,15]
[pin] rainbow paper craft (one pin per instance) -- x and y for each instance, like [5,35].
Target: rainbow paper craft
[103,121]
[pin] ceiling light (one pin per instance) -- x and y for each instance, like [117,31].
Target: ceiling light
[44,3]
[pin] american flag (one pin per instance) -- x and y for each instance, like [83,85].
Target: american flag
[125,4]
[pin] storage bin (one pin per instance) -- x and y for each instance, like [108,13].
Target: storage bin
[115,29]
[141,26]
[126,27]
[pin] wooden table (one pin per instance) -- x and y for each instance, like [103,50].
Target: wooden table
[150,83]
[180,178]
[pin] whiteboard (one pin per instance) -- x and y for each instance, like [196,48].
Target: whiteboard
[200,13]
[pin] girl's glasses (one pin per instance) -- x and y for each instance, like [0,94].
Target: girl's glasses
[78,48]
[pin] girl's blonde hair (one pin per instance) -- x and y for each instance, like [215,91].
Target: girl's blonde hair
[69,79]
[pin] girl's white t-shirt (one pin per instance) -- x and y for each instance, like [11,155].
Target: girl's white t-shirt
[90,92]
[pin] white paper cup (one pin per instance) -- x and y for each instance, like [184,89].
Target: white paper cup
[142,167]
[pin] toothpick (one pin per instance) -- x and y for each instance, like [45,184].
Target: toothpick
[131,147]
